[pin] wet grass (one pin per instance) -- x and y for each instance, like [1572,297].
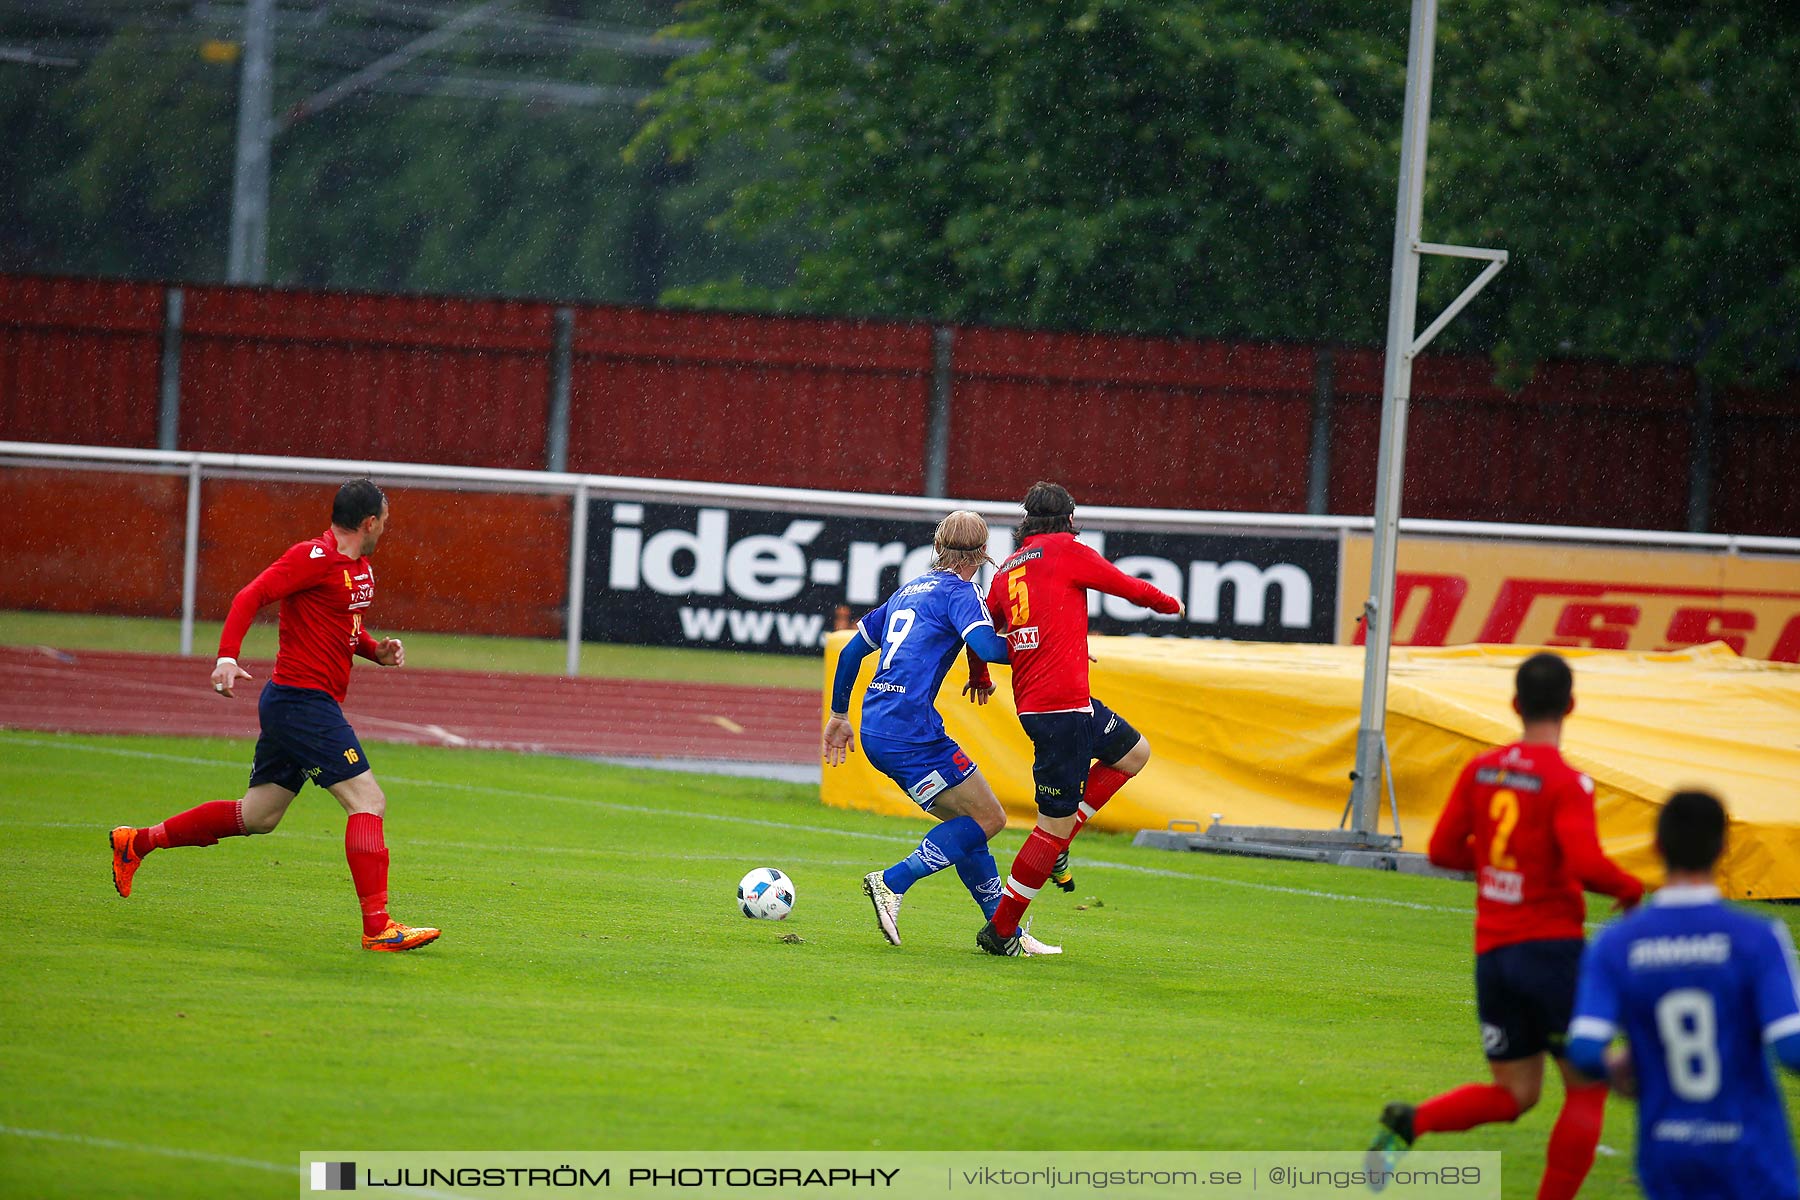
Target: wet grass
[596,988]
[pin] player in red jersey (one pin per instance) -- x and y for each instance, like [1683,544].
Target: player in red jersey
[325,586]
[1522,819]
[1038,597]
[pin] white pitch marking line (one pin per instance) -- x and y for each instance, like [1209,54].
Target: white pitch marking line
[725,723]
[223,1160]
[613,806]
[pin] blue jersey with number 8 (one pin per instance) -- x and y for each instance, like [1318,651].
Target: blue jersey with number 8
[917,634]
[1699,989]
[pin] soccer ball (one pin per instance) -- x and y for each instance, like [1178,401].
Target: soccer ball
[766,894]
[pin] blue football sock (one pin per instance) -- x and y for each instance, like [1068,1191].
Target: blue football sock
[949,843]
[982,877]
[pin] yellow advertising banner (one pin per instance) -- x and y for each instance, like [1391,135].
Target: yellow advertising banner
[1265,734]
[1456,591]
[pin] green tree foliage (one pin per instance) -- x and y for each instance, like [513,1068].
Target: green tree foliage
[1228,166]
[124,167]
[1115,165]
[1642,163]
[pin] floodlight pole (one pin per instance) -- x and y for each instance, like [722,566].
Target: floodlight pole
[257,128]
[1396,392]
[250,182]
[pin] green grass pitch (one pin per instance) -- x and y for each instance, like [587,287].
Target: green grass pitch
[595,987]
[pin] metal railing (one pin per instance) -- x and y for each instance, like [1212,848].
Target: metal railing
[200,465]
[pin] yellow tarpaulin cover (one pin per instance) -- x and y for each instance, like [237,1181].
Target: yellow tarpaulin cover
[1265,734]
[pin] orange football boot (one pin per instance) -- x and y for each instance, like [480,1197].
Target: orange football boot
[400,937]
[124,862]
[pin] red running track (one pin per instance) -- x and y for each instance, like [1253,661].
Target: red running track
[90,691]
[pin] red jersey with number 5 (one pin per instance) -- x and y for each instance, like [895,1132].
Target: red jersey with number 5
[1523,820]
[324,595]
[1039,598]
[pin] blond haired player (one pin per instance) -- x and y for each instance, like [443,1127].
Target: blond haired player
[918,632]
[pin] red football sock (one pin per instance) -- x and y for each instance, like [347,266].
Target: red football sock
[202,825]
[1468,1106]
[1102,782]
[1572,1142]
[366,850]
[1029,870]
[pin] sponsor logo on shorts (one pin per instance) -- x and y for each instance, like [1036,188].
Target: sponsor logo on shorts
[1047,790]
[927,787]
[1493,1039]
[1112,723]
[1023,639]
[313,772]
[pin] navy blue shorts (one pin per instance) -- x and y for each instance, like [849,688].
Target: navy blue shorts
[1067,743]
[921,770]
[1525,997]
[304,736]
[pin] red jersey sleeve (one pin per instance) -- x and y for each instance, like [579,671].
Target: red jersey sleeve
[996,602]
[367,647]
[292,572]
[1579,840]
[1451,848]
[1091,570]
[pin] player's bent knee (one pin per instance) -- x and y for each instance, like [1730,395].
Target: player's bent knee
[992,820]
[260,822]
[361,795]
[1135,758]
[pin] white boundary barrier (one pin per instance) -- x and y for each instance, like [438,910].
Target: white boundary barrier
[199,465]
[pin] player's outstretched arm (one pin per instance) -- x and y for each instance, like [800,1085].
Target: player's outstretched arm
[1778,996]
[387,652]
[280,579]
[225,675]
[1579,839]
[1596,1022]
[985,646]
[839,740]
[1093,571]
[1450,848]
[980,688]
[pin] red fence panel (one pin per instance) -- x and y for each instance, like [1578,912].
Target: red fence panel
[1581,444]
[811,402]
[393,378]
[1137,421]
[787,402]
[79,361]
[1757,463]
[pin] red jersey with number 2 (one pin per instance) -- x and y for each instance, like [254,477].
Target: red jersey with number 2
[1039,598]
[1523,820]
[324,594]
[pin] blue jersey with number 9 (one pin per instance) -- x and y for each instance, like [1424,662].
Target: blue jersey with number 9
[917,633]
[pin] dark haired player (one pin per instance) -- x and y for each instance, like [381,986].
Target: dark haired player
[1699,989]
[325,586]
[1523,820]
[1039,598]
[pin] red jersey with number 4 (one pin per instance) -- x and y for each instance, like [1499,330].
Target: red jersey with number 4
[1523,820]
[324,594]
[1039,597]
